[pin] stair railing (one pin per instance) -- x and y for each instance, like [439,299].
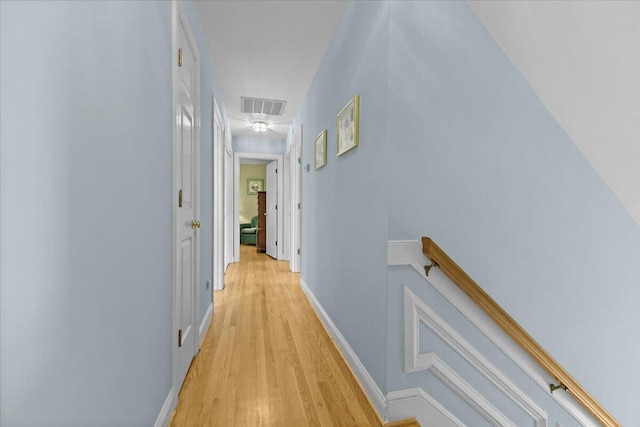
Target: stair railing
[566,382]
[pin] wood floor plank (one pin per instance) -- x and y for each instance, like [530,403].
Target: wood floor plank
[267,360]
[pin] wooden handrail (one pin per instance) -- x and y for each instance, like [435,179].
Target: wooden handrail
[515,331]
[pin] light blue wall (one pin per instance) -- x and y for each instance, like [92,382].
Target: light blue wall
[344,225]
[245,144]
[480,165]
[456,145]
[86,173]
[86,215]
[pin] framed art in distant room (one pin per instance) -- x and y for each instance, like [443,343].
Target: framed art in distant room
[347,126]
[254,185]
[320,150]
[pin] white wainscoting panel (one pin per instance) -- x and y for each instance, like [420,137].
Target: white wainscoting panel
[417,312]
[415,402]
[409,252]
[368,384]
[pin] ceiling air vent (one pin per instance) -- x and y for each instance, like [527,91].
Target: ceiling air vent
[270,107]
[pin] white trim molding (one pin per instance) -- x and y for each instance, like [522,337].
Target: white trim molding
[417,312]
[459,386]
[409,253]
[167,407]
[204,325]
[415,402]
[362,375]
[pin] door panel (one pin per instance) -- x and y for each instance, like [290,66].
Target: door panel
[187,191]
[272,213]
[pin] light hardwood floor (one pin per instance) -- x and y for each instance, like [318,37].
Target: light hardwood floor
[267,360]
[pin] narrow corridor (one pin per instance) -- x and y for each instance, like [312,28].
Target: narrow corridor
[267,360]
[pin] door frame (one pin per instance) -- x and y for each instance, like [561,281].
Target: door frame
[236,197]
[178,14]
[228,207]
[217,186]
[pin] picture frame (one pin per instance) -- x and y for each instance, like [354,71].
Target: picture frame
[254,185]
[320,150]
[348,126]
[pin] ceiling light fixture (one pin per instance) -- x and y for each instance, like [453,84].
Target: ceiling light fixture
[260,126]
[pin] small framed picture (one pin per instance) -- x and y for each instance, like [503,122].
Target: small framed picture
[320,149]
[254,185]
[347,126]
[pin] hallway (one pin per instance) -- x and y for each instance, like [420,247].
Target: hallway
[266,359]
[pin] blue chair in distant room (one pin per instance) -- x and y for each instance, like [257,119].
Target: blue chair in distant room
[248,231]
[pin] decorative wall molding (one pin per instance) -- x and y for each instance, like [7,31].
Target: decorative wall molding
[165,412]
[409,252]
[463,389]
[204,325]
[416,312]
[415,402]
[368,384]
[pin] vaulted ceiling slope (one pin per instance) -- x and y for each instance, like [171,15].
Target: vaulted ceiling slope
[582,58]
[267,49]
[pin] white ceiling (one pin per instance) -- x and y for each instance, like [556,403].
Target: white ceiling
[267,49]
[583,60]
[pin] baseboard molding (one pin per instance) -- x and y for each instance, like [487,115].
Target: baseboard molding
[165,412]
[206,321]
[415,402]
[370,387]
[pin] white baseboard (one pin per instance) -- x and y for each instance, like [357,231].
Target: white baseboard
[415,402]
[366,381]
[165,412]
[206,321]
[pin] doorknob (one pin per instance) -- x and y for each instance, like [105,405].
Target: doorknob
[195,224]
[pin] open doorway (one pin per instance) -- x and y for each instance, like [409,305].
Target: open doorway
[258,176]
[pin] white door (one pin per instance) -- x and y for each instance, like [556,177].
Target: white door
[296,193]
[272,210]
[187,198]
[285,248]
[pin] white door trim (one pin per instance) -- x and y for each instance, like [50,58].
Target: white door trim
[218,153]
[178,14]
[236,197]
[228,206]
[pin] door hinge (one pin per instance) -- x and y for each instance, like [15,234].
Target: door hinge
[276,207]
[179,337]
[180,57]
[298,251]
[298,205]
[180,198]
[299,160]
[276,243]
[276,170]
